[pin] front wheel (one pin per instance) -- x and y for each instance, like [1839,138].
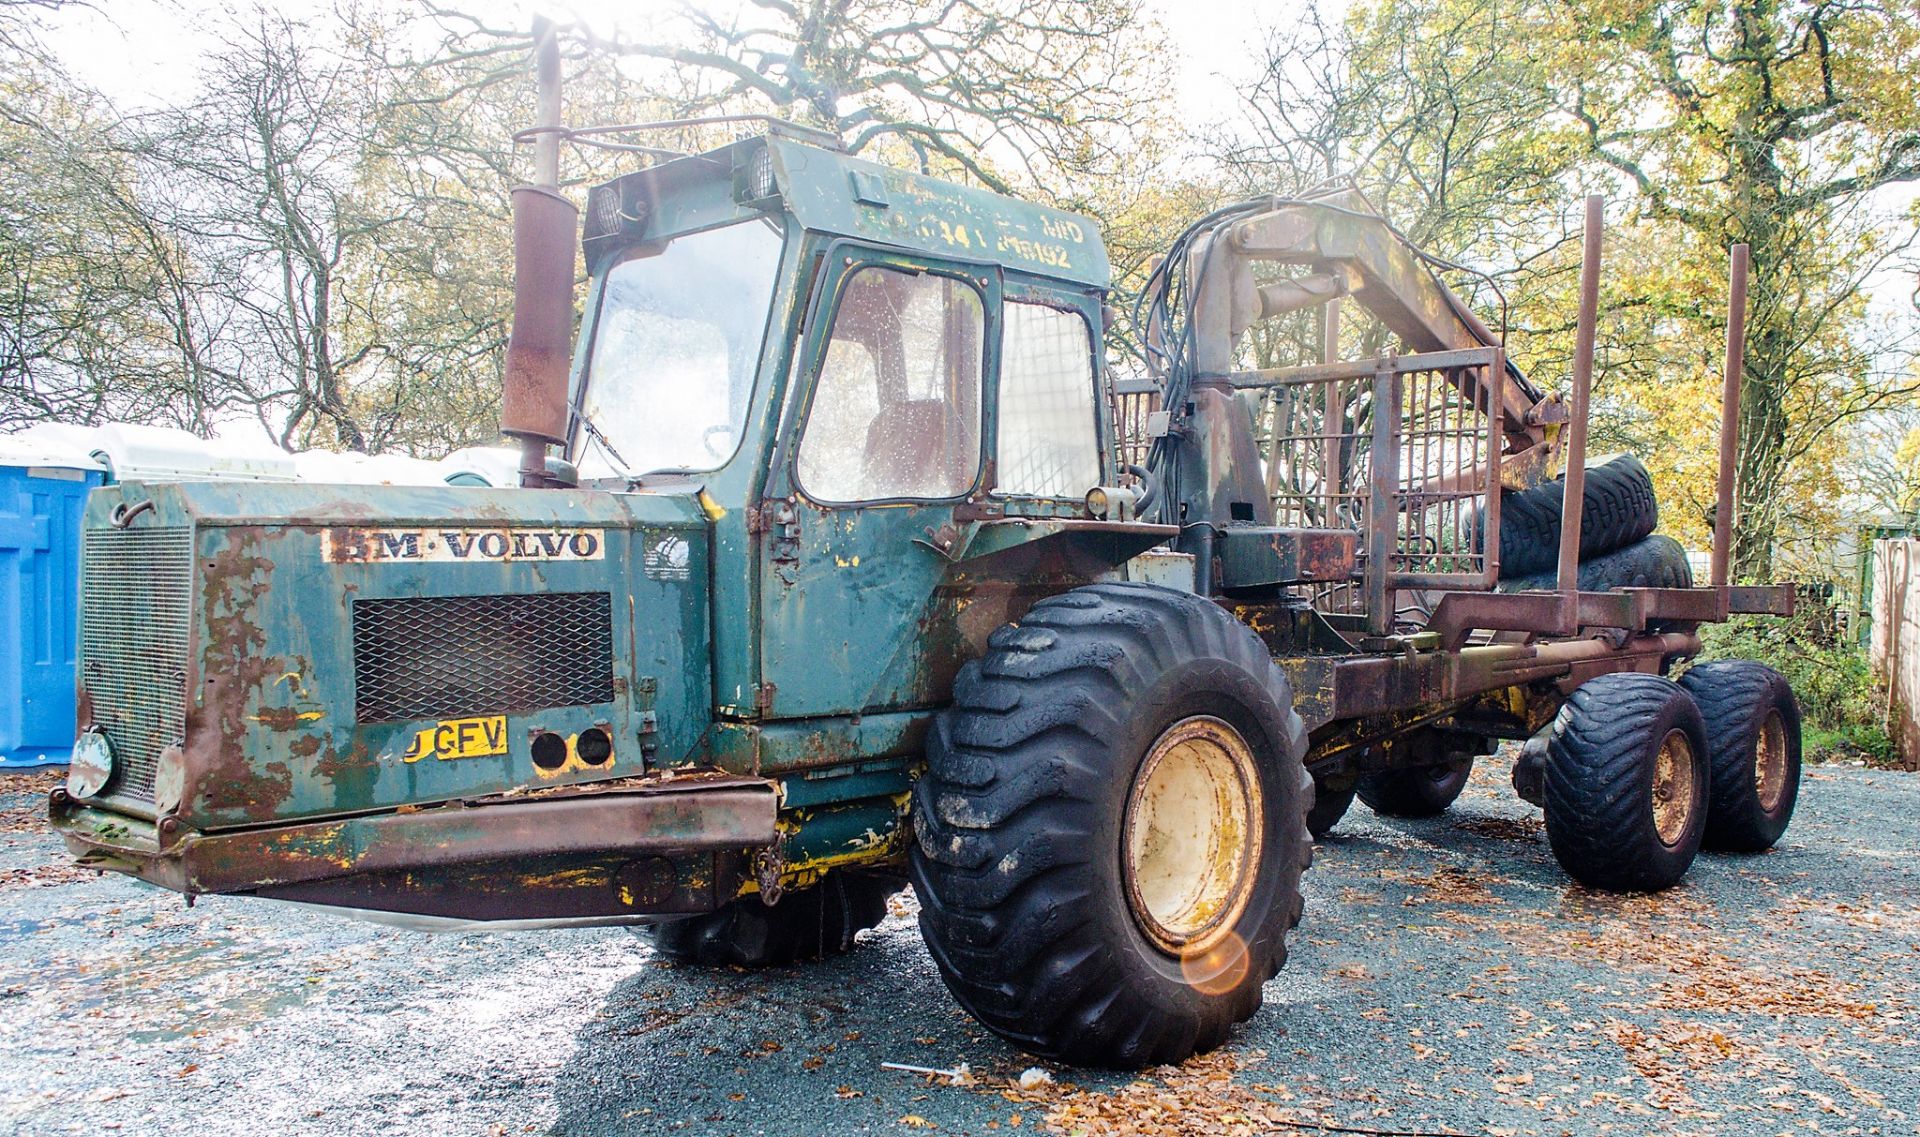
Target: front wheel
[1329,806]
[1111,830]
[1424,791]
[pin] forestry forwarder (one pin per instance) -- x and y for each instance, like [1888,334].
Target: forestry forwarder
[844,579]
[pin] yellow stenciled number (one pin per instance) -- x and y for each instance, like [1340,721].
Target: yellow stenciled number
[459,738]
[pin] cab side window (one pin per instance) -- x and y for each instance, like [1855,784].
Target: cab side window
[1049,433]
[896,408]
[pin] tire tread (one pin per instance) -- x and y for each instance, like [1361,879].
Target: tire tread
[1599,816]
[1003,890]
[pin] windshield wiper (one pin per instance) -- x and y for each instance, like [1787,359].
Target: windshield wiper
[599,436]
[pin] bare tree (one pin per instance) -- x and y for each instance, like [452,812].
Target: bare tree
[81,338]
[258,176]
[1057,89]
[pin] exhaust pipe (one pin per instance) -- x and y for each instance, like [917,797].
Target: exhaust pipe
[533,404]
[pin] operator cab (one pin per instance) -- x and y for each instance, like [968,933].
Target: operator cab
[860,370]
[926,341]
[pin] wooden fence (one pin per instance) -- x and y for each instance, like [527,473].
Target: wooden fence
[1895,649]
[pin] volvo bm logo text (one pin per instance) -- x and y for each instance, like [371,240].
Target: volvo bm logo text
[359,546]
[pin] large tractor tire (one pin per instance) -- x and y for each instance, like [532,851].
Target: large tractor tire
[1626,783]
[1111,830]
[1754,722]
[1652,562]
[810,923]
[1618,508]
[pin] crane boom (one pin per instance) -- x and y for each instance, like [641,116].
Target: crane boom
[1350,250]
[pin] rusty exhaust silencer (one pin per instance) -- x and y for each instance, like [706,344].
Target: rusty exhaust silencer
[533,404]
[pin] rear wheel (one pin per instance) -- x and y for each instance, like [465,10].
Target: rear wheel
[1111,831]
[808,923]
[1626,783]
[1754,721]
[1329,806]
[1424,791]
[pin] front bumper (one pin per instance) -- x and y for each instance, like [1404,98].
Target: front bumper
[635,847]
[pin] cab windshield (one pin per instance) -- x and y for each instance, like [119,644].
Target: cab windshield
[676,343]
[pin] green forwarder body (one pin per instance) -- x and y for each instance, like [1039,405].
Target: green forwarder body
[374,697]
[844,581]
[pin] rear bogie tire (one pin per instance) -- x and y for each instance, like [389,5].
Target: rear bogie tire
[1626,783]
[1423,791]
[808,923]
[1754,722]
[1050,894]
[1329,806]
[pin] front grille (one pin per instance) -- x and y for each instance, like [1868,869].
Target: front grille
[136,604]
[451,656]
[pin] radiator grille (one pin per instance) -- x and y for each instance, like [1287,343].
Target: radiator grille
[450,656]
[136,604]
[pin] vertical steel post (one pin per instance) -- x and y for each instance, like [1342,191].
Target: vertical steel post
[1496,442]
[1576,480]
[1730,416]
[1383,513]
[1333,429]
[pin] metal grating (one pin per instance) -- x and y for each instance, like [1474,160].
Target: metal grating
[1132,402]
[1431,448]
[451,656]
[136,605]
[1322,442]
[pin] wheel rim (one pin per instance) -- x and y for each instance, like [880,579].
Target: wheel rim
[1770,762]
[1192,835]
[1673,787]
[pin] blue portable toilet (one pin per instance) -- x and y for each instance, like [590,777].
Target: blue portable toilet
[42,491]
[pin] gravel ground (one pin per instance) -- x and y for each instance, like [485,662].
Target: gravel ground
[1447,979]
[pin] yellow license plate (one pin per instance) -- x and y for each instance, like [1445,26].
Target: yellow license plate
[460,738]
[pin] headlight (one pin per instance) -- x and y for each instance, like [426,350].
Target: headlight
[1112,503]
[91,765]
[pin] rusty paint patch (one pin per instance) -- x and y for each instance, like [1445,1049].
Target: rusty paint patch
[285,718]
[236,669]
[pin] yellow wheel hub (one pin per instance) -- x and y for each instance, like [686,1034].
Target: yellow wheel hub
[1770,762]
[1192,834]
[1673,788]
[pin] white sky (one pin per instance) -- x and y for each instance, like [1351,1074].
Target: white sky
[143,52]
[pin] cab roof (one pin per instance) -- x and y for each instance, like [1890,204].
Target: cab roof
[832,192]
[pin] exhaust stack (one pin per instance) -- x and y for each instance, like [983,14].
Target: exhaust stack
[533,405]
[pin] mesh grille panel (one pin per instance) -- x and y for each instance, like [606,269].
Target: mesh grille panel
[1049,436]
[136,603]
[451,656]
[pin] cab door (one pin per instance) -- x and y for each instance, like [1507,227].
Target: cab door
[885,439]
